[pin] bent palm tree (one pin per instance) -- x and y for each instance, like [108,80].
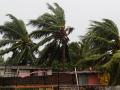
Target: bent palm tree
[103,39]
[53,34]
[16,35]
[103,35]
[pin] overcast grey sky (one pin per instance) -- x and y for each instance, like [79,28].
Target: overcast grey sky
[78,12]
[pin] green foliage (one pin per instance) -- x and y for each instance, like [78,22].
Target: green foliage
[53,34]
[113,66]
[99,48]
[56,66]
[102,35]
[16,36]
[74,51]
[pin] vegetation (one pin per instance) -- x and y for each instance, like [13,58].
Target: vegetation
[53,34]
[15,34]
[99,47]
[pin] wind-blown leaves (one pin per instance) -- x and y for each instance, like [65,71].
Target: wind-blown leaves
[15,34]
[53,34]
[113,66]
[14,29]
[5,42]
[99,48]
[102,34]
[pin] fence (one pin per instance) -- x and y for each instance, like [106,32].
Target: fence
[67,88]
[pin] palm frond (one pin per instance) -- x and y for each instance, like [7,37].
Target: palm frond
[9,32]
[100,40]
[111,24]
[18,58]
[41,33]
[32,59]
[13,30]
[69,30]
[2,52]
[115,58]
[45,40]
[19,24]
[5,42]
[103,26]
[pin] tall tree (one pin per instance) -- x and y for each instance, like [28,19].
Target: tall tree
[53,34]
[15,35]
[102,41]
[74,51]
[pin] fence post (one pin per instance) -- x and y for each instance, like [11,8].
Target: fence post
[76,78]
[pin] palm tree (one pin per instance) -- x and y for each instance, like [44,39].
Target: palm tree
[74,51]
[90,56]
[102,39]
[105,36]
[15,35]
[53,35]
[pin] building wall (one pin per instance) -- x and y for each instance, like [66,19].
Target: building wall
[93,79]
[83,79]
[61,79]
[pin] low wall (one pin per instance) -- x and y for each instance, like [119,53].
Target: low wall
[64,79]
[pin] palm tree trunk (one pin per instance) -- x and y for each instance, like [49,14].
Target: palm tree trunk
[63,57]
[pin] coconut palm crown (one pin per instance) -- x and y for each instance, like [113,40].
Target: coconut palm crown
[17,38]
[52,33]
[103,45]
[101,40]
